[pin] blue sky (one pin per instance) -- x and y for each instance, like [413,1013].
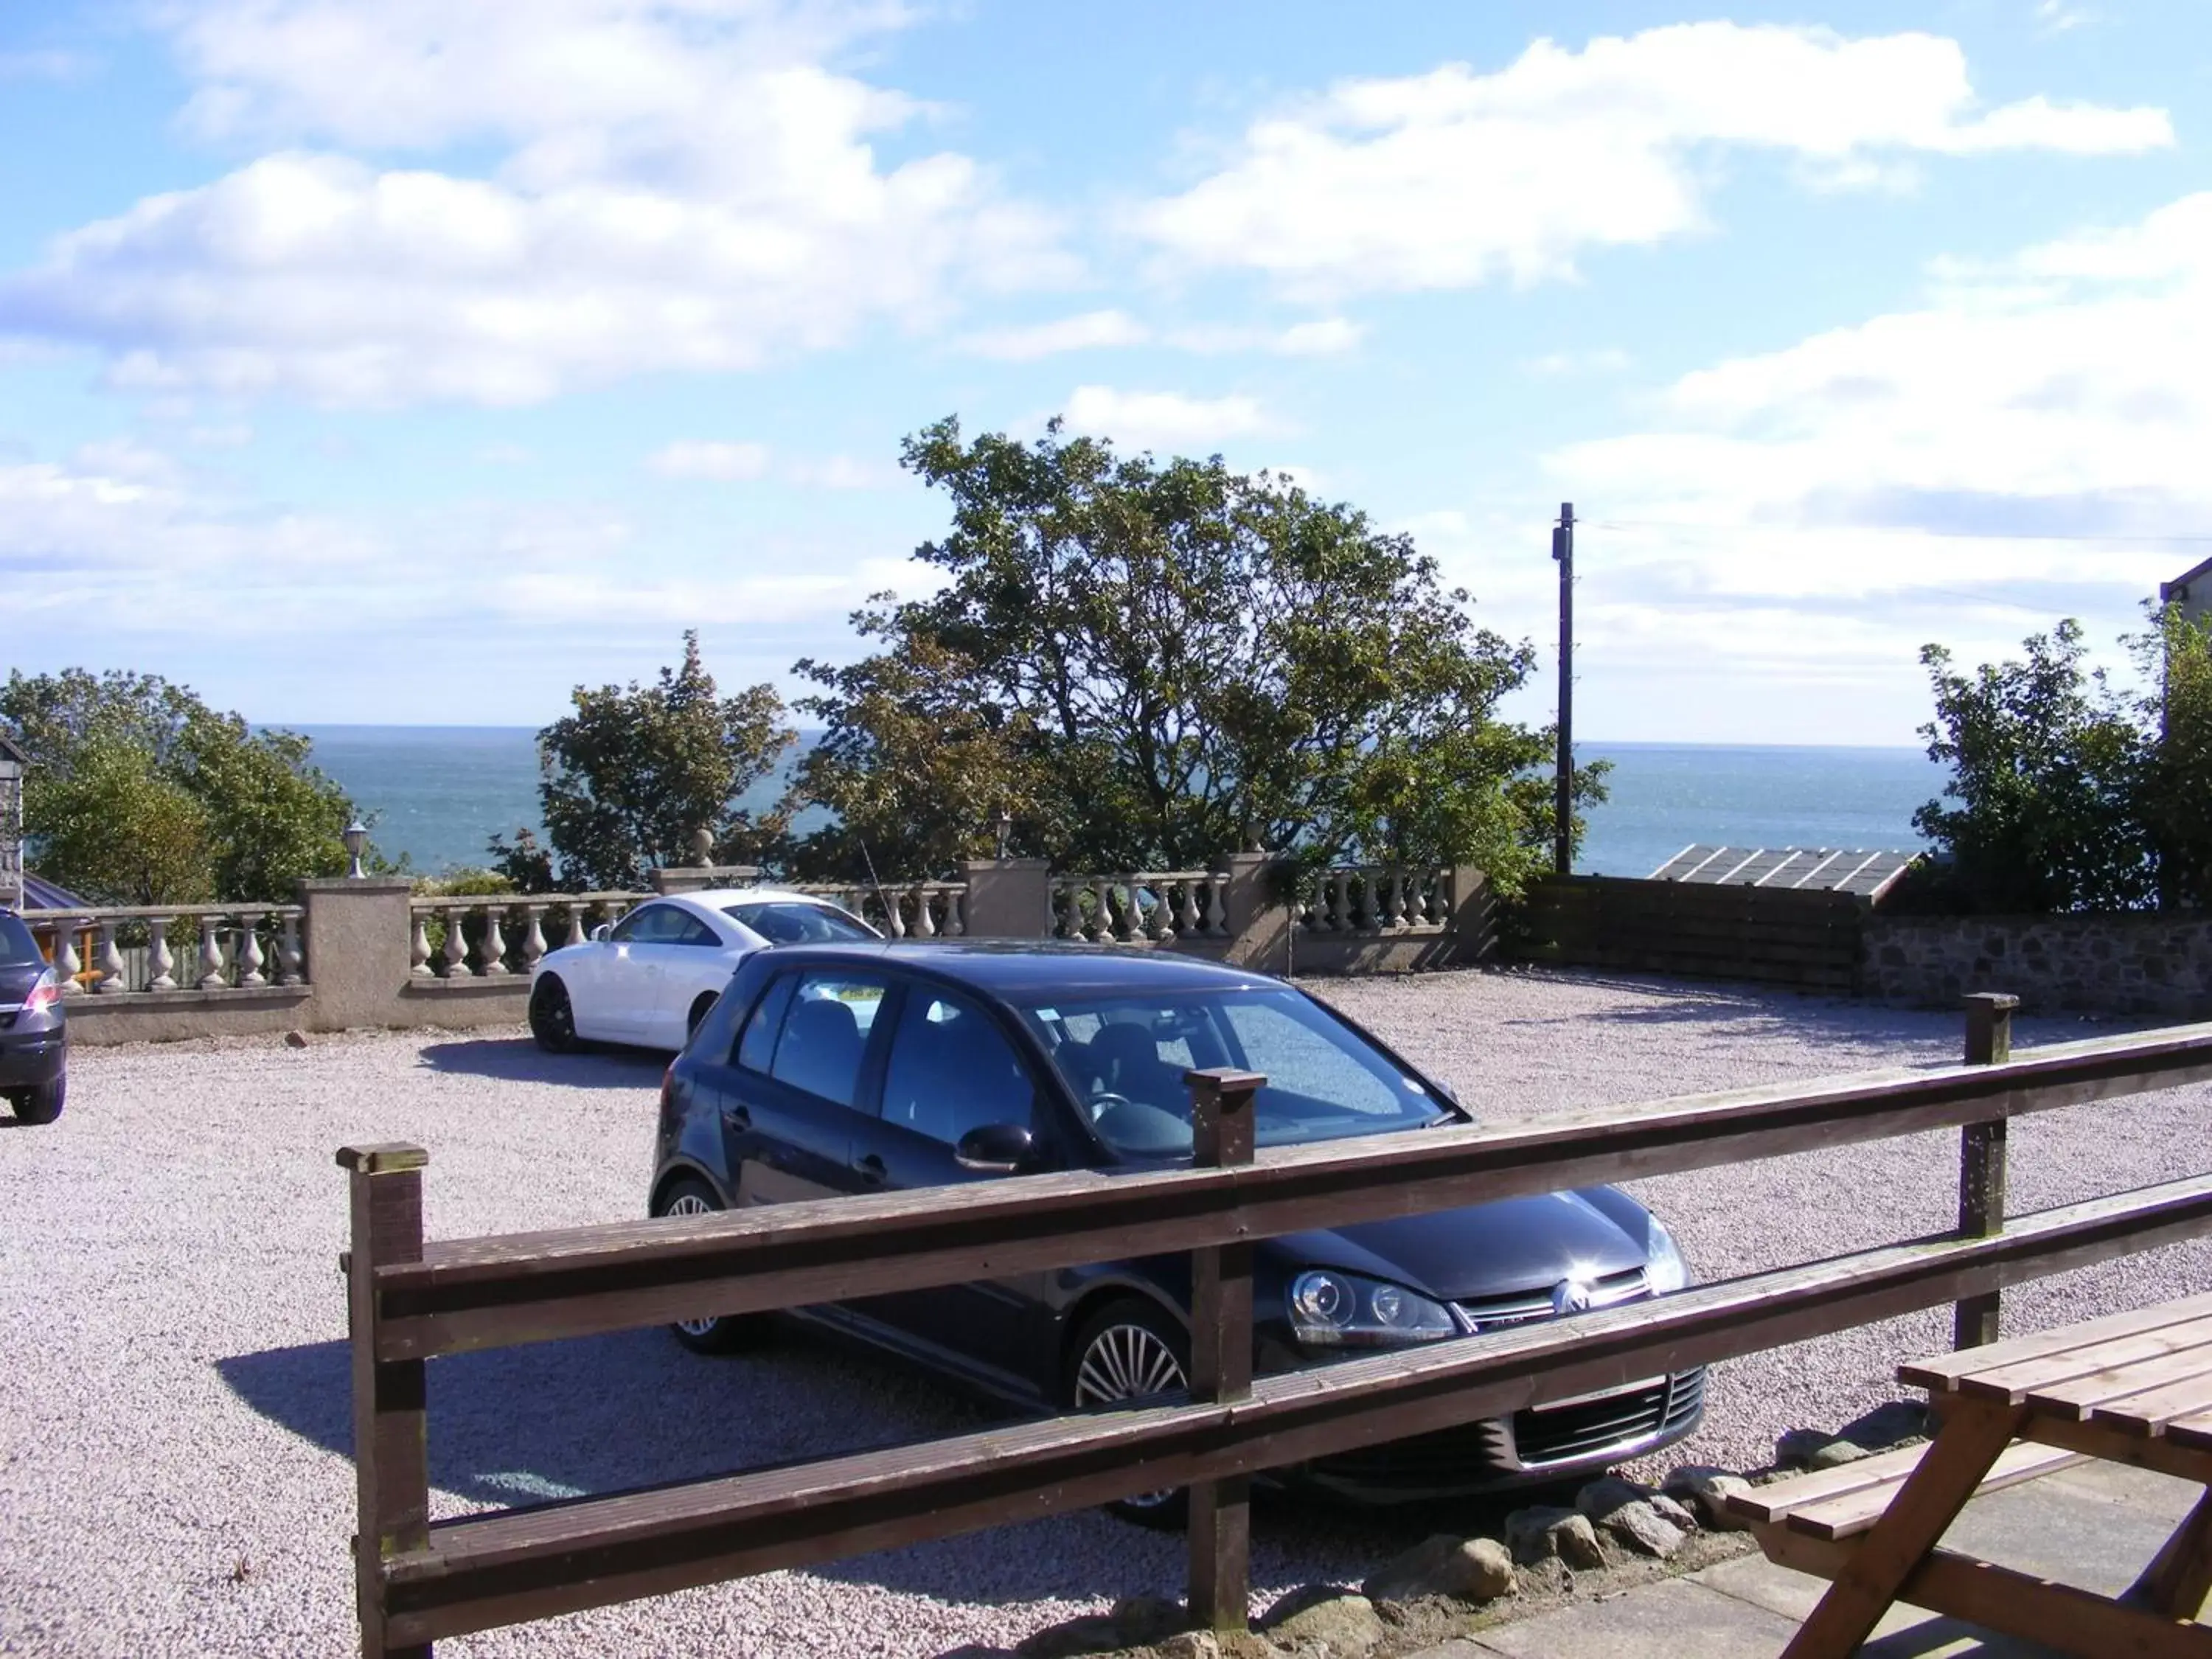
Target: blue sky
[413,362]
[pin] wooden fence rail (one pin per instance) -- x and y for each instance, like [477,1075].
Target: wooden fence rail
[411,1301]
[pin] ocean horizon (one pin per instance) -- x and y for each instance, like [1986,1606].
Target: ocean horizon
[436,794]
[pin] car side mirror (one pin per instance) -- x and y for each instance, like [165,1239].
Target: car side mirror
[995,1149]
[603,932]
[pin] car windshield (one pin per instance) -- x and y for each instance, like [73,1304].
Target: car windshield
[1124,1057]
[17,948]
[791,921]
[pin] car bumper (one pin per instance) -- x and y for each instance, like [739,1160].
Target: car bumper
[1530,1447]
[29,1059]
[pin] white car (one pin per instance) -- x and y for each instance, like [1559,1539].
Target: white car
[651,977]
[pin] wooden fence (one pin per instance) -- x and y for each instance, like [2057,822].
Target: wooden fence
[1773,935]
[411,1302]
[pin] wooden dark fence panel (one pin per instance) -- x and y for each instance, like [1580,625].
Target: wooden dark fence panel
[1768,935]
[412,1301]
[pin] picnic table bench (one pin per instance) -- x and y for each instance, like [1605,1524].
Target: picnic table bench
[2133,1389]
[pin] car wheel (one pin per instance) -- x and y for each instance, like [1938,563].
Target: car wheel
[42,1104]
[552,1018]
[700,1009]
[713,1335]
[1125,1352]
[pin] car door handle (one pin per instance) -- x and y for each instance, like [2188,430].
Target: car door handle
[872,1169]
[736,1117]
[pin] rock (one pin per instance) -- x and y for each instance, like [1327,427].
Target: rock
[1142,1621]
[1624,1510]
[1539,1533]
[1191,1645]
[1341,1622]
[1835,1454]
[1895,1423]
[296,1039]
[1707,1489]
[1600,1499]
[1797,1446]
[1092,1633]
[1673,1511]
[1474,1570]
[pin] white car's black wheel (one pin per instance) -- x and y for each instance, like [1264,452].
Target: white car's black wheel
[552,1017]
[710,1335]
[1129,1351]
[702,1006]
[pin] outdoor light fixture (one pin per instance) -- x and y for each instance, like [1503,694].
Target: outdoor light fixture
[356,836]
[1002,826]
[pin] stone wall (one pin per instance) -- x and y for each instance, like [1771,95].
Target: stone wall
[2118,964]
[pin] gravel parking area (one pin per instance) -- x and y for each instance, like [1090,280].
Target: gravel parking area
[173,1468]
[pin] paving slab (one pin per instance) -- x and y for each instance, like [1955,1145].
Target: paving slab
[1666,1621]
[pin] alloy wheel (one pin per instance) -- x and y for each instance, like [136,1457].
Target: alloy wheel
[1128,1361]
[690,1204]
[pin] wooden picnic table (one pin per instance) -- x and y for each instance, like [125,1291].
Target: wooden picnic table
[2133,1389]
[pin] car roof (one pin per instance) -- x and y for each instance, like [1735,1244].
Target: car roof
[1005,968]
[714,898]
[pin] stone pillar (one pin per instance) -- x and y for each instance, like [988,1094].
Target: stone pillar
[697,878]
[1257,917]
[358,960]
[1008,898]
[1473,915]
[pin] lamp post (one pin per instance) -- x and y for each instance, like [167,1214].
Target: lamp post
[356,837]
[1002,826]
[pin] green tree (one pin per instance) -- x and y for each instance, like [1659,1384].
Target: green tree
[629,777]
[1150,663]
[140,793]
[2048,767]
[2175,797]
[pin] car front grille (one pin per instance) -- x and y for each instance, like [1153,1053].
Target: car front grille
[1616,1423]
[1501,1313]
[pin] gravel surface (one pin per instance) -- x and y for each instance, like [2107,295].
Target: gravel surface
[174,1473]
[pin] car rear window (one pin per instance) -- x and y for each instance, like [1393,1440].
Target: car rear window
[785,921]
[17,948]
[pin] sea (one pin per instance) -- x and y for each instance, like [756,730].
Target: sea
[438,793]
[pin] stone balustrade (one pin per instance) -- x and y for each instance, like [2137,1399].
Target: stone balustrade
[901,910]
[158,950]
[1142,907]
[490,936]
[1375,900]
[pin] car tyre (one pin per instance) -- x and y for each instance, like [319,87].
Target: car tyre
[1126,1351]
[41,1103]
[718,1335]
[701,1007]
[552,1016]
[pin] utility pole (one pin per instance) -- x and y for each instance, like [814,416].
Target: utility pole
[1563,550]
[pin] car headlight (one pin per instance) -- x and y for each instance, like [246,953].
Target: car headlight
[1336,1309]
[1664,1270]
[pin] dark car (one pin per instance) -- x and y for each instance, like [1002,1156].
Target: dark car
[850,1068]
[34,1031]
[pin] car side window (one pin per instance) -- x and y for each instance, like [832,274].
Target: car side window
[626,932]
[825,1033]
[694,931]
[756,1042]
[951,1070]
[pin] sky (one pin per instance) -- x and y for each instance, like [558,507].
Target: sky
[412,362]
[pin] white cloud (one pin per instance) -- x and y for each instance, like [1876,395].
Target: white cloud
[2028,445]
[842,472]
[699,458]
[1602,360]
[1453,178]
[1319,337]
[505,454]
[678,186]
[1163,420]
[1086,332]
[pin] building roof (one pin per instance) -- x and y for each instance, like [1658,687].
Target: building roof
[2166,590]
[40,894]
[1806,869]
[10,750]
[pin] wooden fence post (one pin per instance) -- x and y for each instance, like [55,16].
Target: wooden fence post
[1221,1355]
[1982,1163]
[391,1442]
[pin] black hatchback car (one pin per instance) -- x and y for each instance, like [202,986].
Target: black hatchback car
[851,1068]
[33,1027]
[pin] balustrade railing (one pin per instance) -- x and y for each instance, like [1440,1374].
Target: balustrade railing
[1376,899]
[1142,907]
[901,910]
[159,948]
[496,935]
